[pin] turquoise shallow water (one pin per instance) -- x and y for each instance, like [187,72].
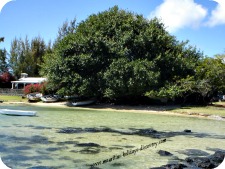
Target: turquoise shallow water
[72,138]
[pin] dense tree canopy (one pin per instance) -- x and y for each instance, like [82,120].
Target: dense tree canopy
[116,53]
[5,76]
[1,39]
[3,63]
[26,56]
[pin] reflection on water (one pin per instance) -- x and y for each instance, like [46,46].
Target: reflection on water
[74,138]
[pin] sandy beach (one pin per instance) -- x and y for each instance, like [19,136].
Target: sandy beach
[163,110]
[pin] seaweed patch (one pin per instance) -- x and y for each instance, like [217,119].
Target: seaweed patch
[127,153]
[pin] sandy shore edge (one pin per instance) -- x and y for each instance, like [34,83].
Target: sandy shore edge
[124,108]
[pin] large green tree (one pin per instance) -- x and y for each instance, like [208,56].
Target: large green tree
[3,62]
[65,29]
[38,49]
[116,53]
[3,58]
[1,39]
[27,56]
[212,71]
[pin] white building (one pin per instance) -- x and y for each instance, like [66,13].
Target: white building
[25,80]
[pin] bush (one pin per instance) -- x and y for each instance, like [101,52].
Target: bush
[40,88]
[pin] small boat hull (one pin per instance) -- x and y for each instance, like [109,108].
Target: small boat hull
[50,98]
[17,112]
[83,103]
[34,97]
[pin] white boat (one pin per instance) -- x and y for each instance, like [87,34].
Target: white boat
[2,165]
[17,112]
[83,103]
[34,96]
[50,98]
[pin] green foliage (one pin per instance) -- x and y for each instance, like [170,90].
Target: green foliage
[66,29]
[27,56]
[3,58]
[124,78]
[1,39]
[117,53]
[208,81]
[213,71]
[3,62]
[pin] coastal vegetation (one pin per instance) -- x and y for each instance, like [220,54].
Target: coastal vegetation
[121,57]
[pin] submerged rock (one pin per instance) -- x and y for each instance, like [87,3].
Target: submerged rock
[164,153]
[193,152]
[208,162]
[187,131]
[175,166]
[202,162]
[88,145]
[118,164]
[149,132]
[90,151]
[211,161]
[171,166]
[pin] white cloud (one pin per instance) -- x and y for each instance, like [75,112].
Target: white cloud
[217,15]
[177,14]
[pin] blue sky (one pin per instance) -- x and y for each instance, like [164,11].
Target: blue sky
[202,22]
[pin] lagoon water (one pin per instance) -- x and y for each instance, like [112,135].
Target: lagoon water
[73,138]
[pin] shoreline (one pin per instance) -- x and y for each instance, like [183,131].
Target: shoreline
[125,108]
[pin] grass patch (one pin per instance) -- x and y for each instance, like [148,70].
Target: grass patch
[12,98]
[210,110]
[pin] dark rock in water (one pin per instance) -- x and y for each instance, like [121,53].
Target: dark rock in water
[202,162]
[129,146]
[118,164]
[18,148]
[88,145]
[44,167]
[55,148]
[187,131]
[71,130]
[194,152]
[39,140]
[164,153]
[212,161]
[174,166]
[217,157]
[146,131]
[67,142]
[94,167]
[91,130]
[115,148]
[89,151]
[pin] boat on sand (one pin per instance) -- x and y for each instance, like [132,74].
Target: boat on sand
[34,97]
[50,98]
[83,102]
